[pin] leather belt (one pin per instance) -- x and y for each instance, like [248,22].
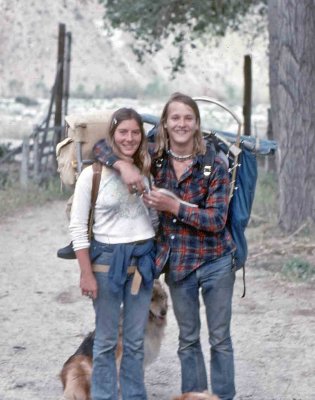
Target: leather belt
[132,269]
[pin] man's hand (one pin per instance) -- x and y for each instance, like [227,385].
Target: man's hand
[130,175]
[161,201]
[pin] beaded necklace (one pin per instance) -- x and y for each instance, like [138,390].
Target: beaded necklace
[178,157]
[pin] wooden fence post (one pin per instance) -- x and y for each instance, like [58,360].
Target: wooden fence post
[247,106]
[59,90]
[59,81]
[67,74]
[25,162]
[36,156]
[270,165]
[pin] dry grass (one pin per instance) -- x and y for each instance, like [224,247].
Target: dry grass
[13,198]
[291,256]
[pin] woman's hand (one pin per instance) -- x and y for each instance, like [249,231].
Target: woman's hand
[88,282]
[161,201]
[88,285]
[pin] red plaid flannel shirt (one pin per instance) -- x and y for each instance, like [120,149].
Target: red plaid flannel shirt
[198,234]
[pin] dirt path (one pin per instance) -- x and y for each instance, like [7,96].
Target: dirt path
[43,318]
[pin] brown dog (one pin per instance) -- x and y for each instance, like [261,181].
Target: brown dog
[76,371]
[197,396]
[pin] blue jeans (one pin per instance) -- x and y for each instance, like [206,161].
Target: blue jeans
[107,314]
[216,280]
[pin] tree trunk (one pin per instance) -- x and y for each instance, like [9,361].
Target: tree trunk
[292,95]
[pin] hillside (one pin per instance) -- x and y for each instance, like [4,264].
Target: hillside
[105,66]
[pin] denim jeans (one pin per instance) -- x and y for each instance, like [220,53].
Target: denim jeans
[216,280]
[107,314]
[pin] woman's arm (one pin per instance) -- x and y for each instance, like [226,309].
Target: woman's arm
[79,231]
[88,283]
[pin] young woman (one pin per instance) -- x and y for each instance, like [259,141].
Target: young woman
[194,246]
[122,240]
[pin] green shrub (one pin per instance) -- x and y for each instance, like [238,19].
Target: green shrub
[266,196]
[4,149]
[298,269]
[15,86]
[155,89]
[81,92]
[232,94]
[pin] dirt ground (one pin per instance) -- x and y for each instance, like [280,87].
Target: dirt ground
[43,318]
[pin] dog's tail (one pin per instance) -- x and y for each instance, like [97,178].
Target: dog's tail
[86,347]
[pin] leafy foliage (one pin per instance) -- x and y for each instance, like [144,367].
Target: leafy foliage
[182,21]
[299,269]
[4,149]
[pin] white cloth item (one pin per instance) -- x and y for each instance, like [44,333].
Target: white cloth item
[119,217]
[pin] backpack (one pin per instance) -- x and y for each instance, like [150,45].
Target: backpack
[241,196]
[76,151]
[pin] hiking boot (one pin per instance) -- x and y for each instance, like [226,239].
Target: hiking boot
[67,252]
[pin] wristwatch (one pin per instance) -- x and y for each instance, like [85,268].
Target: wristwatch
[111,160]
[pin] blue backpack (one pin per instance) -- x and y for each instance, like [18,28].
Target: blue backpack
[242,195]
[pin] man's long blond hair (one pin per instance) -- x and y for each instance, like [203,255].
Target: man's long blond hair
[162,138]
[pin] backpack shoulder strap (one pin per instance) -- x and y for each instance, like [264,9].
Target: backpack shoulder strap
[158,163]
[208,159]
[97,172]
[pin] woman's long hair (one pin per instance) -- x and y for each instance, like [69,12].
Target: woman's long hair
[141,158]
[162,138]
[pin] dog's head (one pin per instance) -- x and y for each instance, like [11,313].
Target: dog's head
[158,307]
